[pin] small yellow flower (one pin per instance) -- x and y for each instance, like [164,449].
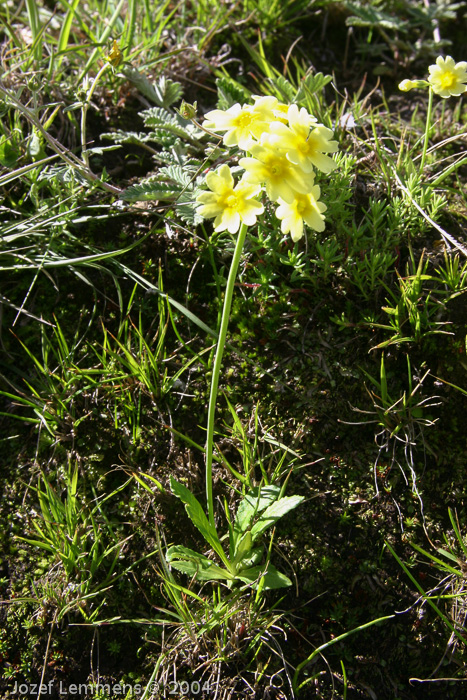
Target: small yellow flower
[265,107]
[242,124]
[304,208]
[448,78]
[304,143]
[276,111]
[270,166]
[229,205]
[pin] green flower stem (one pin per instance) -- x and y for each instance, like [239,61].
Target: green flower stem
[427,129]
[84,111]
[217,367]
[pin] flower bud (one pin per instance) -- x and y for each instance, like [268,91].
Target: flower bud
[406,85]
[188,111]
[115,56]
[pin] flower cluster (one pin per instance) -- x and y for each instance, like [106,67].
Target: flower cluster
[284,146]
[446,78]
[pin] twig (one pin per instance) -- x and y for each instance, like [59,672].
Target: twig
[446,236]
[63,152]
[44,665]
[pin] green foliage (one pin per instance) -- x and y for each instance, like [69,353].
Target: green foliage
[173,184]
[131,372]
[166,93]
[371,249]
[403,213]
[179,144]
[372,17]
[446,598]
[50,414]
[394,26]
[413,316]
[398,416]
[305,88]
[84,544]
[369,272]
[400,419]
[453,274]
[339,191]
[259,510]
[253,455]
[166,127]
[229,92]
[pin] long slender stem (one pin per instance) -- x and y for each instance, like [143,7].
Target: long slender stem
[84,111]
[427,129]
[217,367]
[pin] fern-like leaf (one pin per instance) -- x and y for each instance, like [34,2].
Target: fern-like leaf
[286,89]
[229,93]
[373,17]
[186,207]
[162,121]
[178,174]
[159,117]
[314,82]
[163,93]
[151,191]
[133,137]
[183,198]
[168,91]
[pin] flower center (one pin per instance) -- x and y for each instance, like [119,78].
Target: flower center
[302,205]
[304,147]
[447,80]
[232,201]
[244,120]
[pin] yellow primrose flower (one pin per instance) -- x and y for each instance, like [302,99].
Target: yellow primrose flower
[305,146]
[228,204]
[447,77]
[270,166]
[242,124]
[265,107]
[304,208]
[275,110]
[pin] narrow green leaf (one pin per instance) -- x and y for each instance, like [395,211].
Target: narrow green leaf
[38,543]
[148,476]
[198,517]
[460,539]
[66,28]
